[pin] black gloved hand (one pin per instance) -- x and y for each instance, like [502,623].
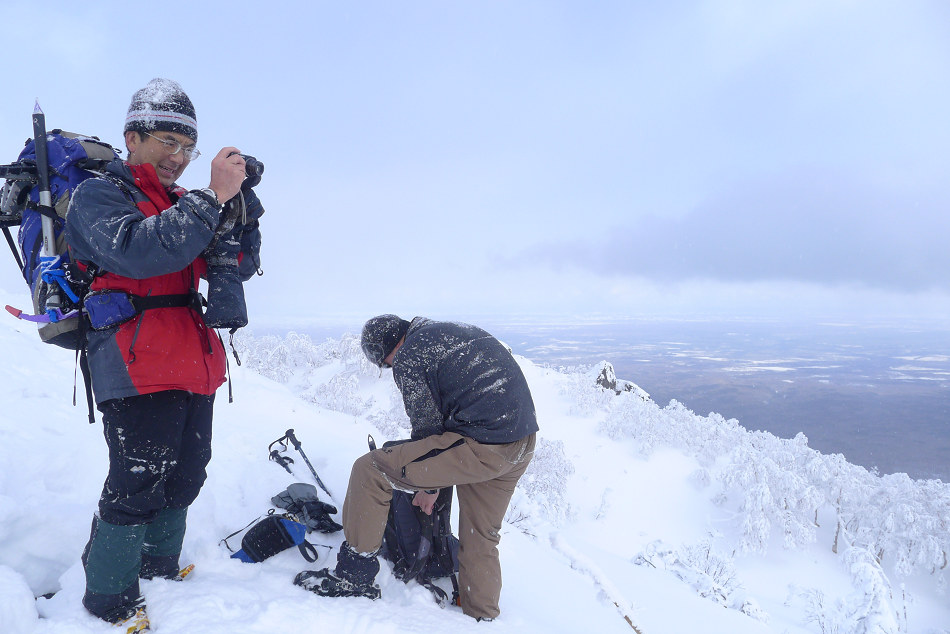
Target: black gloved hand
[253,206]
[226,305]
[301,500]
[222,251]
[316,516]
[250,182]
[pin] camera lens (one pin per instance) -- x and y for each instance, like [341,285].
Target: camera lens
[252,167]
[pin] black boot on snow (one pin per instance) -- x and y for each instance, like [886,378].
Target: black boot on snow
[353,576]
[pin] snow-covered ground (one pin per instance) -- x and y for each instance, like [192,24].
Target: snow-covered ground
[633,516]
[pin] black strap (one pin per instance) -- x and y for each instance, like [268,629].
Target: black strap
[120,184]
[84,367]
[82,363]
[87,382]
[225,540]
[13,249]
[456,595]
[441,550]
[438,593]
[43,210]
[150,302]
[308,551]
[227,369]
[237,359]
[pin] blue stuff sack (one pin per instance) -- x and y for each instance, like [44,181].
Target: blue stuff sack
[107,309]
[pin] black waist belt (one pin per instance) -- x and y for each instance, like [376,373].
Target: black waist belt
[110,308]
[149,302]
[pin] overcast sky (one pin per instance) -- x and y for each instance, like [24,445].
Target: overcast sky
[585,159]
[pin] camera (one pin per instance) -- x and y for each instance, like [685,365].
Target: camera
[252,167]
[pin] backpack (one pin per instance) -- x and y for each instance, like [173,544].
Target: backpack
[422,547]
[273,534]
[277,532]
[72,159]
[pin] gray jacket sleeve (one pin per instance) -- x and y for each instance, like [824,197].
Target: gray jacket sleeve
[105,227]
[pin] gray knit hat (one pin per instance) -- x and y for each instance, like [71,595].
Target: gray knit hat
[162,106]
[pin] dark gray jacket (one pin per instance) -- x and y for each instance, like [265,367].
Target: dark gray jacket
[457,377]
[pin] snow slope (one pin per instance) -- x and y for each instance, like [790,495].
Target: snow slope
[631,515]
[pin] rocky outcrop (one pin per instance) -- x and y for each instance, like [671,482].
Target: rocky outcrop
[603,375]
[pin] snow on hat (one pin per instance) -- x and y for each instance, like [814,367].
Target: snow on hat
[380,336]
[162,105]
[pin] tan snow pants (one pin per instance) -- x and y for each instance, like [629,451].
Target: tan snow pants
[484,477]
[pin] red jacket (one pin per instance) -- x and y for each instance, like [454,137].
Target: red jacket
[148,246]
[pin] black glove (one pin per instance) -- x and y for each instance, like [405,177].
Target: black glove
[253,206]
[226,305]
[251,236]
[301,500]
[250,182]
[316,515]
[223,251]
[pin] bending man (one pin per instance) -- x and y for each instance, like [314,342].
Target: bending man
[473,426]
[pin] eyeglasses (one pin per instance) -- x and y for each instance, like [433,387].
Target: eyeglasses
[376,354]
[174,147]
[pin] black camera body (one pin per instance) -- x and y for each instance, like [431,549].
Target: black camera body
[252,167]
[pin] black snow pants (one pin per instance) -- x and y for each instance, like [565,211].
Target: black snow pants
[159,445]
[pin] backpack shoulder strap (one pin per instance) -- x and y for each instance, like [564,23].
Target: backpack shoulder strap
[442,550]
[119,183]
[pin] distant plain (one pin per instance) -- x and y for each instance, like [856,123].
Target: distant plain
[877,393]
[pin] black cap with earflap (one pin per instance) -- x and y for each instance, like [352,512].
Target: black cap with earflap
[380,336]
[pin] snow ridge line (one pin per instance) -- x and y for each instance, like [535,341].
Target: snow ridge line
[584,565]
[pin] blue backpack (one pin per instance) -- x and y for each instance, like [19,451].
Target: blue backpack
[72,159]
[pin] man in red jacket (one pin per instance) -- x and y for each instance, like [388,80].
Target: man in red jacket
[154,371]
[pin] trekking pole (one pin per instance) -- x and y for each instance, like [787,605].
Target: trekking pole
[296,443]
[274,454]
